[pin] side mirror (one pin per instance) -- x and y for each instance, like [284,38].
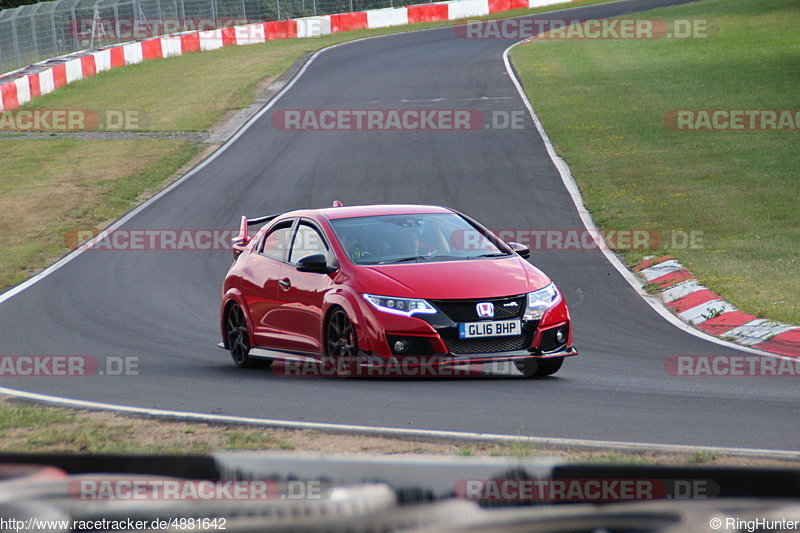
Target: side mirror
[315,263]
[521,250]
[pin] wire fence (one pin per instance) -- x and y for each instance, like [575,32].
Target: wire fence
[32,33]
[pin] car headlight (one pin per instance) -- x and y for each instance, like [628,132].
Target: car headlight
[540,301]
[400,306]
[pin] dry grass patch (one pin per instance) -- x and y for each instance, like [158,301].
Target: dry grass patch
[27,427]
[51,186]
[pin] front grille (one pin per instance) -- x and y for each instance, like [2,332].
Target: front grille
[488,345]
[465,311]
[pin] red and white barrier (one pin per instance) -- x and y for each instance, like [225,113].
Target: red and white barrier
[249,34]
[707,311]
[314,26]
[18,91]
[349,21]
[132,53]
[428,13]
[210,40]
[468,8]
[384,18]
[102,60]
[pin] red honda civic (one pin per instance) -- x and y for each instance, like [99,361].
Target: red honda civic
[382,285]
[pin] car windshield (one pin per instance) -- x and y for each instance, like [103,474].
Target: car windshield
[385,239]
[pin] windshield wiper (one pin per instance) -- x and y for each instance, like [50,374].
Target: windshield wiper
[416,258]
[495,254]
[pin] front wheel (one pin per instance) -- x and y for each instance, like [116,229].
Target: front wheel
[341,343]
[537,368]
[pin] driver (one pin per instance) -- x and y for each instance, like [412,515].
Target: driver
[363,246]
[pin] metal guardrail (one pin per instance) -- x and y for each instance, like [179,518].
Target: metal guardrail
[33,33]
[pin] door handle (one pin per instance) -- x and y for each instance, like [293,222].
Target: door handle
[285,283]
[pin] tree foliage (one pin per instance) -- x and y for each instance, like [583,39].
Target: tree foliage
[10,4]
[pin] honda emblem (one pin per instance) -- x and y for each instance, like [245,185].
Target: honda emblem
[485,309]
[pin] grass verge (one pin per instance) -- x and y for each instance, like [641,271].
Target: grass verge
[603,104]
[56,185]
[35,428]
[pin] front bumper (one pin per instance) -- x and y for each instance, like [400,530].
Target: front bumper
[439,360]
[434,338]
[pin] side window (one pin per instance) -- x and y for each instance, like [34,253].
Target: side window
[307,241]
[277,242]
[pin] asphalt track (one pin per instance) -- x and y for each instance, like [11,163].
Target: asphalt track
[161,306]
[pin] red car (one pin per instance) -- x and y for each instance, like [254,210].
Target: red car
[384,284]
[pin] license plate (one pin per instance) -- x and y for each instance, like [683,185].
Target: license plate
[495,328]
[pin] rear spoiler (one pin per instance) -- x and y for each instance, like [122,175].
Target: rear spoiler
[243,238]
[260,220]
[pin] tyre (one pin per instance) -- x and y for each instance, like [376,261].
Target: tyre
[238,337]
[341,343]
[537,368]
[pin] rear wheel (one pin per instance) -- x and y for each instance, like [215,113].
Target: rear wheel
[536,368]
[238,338]
[341,343]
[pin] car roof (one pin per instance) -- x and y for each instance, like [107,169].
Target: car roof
[333,213]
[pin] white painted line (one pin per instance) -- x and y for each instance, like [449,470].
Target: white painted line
[423,100]
[706,311]
[758,330]
[681,290]
[406,432]
[661,269]
[588,222]
[484,98]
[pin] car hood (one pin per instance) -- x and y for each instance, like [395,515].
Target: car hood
[446,280]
